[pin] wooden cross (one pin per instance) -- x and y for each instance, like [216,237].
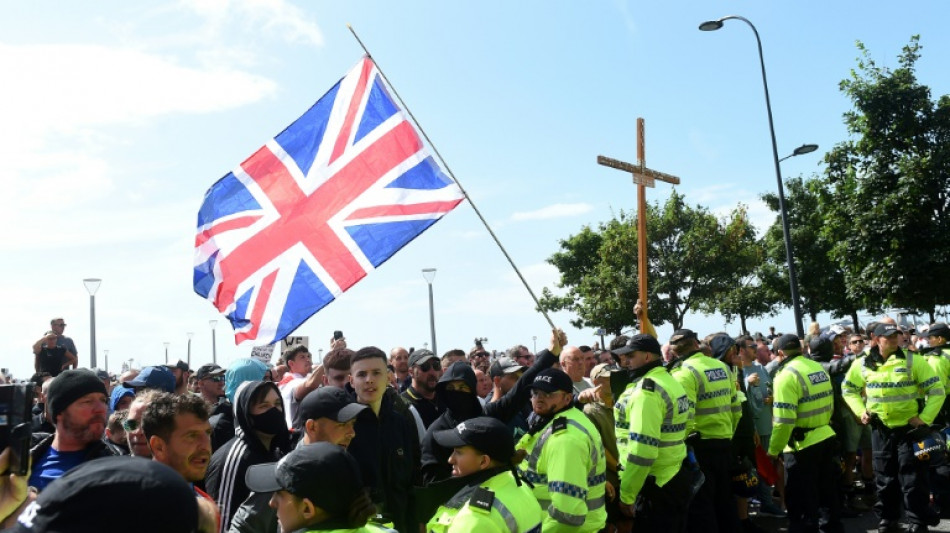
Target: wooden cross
[643,177]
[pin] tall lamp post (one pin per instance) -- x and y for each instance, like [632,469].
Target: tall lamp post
[214,342]
[190,335]
[166,351]
[92,285]
[713,25]
[429,275]
[105,354]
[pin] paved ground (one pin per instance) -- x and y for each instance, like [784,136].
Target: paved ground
[867,522]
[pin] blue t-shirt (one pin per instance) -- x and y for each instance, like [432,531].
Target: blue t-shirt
[53,465]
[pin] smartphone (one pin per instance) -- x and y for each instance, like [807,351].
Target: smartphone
[337,335]
[16,404]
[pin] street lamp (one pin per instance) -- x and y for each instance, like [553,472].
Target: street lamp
[106,354]
[190,335]
[713,25]
[92,285]
[166,351]
[534,339]
[429,275]
[214,346]
[801,150]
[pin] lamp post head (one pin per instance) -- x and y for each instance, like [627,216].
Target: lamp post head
[190,335]
[428,274]
[711,25]
[212,323]
[92,285]
[805,149]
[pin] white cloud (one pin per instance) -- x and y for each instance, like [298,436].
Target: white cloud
[275,18]
[65,88]
[554,211]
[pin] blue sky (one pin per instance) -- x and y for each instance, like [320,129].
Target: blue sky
[116,117]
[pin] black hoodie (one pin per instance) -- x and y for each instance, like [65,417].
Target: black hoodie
[225,477]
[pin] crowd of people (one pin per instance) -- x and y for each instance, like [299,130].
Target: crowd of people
[696,434]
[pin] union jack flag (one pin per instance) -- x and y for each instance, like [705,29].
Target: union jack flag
[314,210]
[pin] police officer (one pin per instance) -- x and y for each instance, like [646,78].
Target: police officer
[709,387]
[938,354]
[890,379]
[938,357]
[565,458]
[801,415]
[493,499]
[655,485]
[316,487]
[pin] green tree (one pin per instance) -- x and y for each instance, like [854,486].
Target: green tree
[821,280]
[746,294]
[889,189]
[691,257]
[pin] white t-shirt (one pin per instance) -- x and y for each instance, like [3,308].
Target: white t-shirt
[287,393]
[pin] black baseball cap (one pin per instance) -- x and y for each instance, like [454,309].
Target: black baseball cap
[885,330]
[683,334]
[505,365]
[209,370]
[328,402]
[322,472]
[639,343]
[418,357]
[484,433]
[180,365]
[788,341]
[552,380]
[114,493]
[939,329]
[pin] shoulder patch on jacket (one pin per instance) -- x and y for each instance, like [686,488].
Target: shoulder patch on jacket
[649,384]
[559,424]
[482,499]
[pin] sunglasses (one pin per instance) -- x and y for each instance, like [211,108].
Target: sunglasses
[429,365]
[857,342]
[63,324]
[131,425]
[216,379]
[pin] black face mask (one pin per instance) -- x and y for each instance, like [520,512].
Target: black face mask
[464,405]
[270,422]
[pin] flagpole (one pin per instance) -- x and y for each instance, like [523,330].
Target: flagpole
[452,175]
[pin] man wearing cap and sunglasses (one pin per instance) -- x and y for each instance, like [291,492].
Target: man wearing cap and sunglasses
[493,498]
[425,369]
[710,388]
[565,457]
[890,379]
[210,383]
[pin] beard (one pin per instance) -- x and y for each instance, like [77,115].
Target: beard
[88,432]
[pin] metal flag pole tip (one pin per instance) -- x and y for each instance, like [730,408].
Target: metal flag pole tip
[452,175]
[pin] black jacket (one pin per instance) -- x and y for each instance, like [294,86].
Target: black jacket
[222,424]
[387,449]
[225,477]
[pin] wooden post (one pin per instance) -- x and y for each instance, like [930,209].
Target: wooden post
[643,177]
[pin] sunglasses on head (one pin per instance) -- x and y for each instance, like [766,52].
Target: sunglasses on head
[131,425]
[431,364]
